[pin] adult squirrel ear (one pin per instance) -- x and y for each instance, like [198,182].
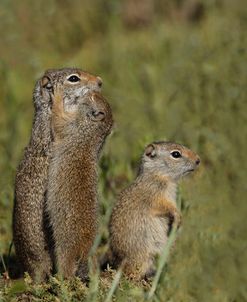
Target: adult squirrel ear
[46,83]
[151,151]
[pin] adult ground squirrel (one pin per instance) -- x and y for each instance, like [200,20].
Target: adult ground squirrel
[79,133]
[29,224]
[145,211]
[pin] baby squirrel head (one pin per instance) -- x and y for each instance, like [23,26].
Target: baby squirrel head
[74,81]
[94,113]
[90,117]
[169,159]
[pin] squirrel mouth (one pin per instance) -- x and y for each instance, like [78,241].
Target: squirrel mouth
[189,171]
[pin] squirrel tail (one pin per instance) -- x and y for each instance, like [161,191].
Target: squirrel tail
[107,260]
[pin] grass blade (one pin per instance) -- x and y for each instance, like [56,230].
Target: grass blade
[114,285]
[162,261]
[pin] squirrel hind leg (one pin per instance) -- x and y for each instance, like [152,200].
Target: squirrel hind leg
[82,272]
[150,273]
[66,264]
[40,271]
[138,269]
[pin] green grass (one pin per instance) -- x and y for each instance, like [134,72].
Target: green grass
[170,79]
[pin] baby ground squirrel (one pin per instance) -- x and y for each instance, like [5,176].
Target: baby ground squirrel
[30,230]
[80,131]
[146,210]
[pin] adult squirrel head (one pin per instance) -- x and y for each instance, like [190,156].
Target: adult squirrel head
[169,159]
[74,81]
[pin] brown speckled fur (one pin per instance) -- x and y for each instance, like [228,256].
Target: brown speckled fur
[145,211]
[30,230]
[72,189]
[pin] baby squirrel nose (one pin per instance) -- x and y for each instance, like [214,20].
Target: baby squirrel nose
[198,161]
[99,82]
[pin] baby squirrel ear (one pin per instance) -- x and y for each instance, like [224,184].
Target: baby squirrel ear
[151,151]
[97,115]
[46,83]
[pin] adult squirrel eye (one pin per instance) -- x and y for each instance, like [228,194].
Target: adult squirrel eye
[176,154]
[74,79]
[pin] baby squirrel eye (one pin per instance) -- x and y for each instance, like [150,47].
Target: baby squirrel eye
[74,78]
[176,154]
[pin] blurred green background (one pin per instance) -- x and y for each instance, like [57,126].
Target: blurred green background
[174,70]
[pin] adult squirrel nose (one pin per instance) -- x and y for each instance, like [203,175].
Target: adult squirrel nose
[198,161]
[99,82]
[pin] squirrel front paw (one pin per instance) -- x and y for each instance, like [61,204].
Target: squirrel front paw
[174,221]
